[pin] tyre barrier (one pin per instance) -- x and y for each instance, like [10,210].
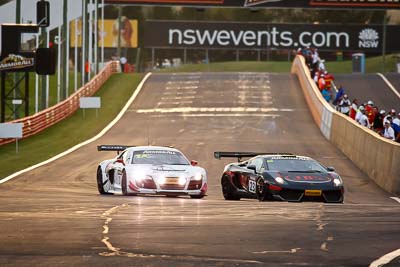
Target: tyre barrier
[376,156]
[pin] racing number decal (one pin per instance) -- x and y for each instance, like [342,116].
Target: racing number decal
[252,186]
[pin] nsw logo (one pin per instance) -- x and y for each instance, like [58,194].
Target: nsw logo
[369,38]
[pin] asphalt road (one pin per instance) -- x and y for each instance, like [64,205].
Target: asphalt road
[54,216]
[366,87]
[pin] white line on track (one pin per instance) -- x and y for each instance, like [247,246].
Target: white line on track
[385,259]
[181,87]
[211,109]
[396,199]
[389,84]
[220,115]
[72,149]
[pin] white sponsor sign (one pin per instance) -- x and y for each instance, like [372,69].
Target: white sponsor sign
[11,130]
[89,102]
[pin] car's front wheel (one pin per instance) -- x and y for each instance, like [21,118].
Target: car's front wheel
[124,184]
[227,189]
[260,189]
[197,196]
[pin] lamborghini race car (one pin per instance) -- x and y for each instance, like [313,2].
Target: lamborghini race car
[150,170]
[282,176]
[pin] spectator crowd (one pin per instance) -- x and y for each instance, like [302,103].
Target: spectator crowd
[367,114]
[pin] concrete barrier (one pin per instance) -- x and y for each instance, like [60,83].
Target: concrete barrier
[378,157]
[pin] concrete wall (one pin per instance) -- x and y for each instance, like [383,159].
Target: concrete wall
[378,157]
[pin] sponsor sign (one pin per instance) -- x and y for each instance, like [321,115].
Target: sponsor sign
[11,130]
[14,62]
[239,35]
[90,102]
[129,33]
[358,4]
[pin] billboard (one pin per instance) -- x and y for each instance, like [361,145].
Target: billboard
[359,4]
[129,33]
[240,35]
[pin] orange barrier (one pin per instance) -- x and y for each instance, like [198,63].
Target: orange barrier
[376,156]
[50,116]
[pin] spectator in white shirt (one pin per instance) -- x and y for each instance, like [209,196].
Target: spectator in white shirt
[388,131]
[364,119]
[345,104]
[359,113]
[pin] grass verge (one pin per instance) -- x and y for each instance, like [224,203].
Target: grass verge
[71,131]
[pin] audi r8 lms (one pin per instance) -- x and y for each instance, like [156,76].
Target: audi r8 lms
[281,176]
[150,170]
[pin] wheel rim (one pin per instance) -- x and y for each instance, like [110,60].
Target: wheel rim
[260,187]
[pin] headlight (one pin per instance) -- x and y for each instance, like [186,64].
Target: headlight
[162,180]
[198,177]
[279,180]
[182,180]
[337,182]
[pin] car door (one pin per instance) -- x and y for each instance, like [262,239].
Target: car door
[252,176]
[119,166]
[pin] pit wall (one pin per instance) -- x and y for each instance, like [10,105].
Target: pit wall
[50,116]
[378,157]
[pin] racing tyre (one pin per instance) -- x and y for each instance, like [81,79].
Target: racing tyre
[197,196]
[100,183]
[261,193]
[227,189]
[124,184]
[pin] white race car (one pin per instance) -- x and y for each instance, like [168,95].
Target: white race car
[150,170]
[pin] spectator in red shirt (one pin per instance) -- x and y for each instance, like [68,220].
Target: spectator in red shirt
[353,109]
[370,112]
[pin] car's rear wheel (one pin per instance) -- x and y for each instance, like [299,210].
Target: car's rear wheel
[100,184]
[124,185]
[227,189]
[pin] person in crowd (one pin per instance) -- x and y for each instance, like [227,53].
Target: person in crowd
[326,94]
[388,132]
[394,126]
[307,53]
[328,80]
[344,105]
[321,82]
[316,77]
[397,119]
[321,64]
[369,110]
[314,64]
[353,109]
[359,113]
[390,114]
[339,96]
[378,122]
[364,119]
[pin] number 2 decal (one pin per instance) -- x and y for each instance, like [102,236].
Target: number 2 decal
[252,186]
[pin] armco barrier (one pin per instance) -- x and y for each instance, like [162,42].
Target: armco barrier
[378,157]
[44,119]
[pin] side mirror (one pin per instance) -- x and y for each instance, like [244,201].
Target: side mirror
[193,163]
[330,169]
[252,167]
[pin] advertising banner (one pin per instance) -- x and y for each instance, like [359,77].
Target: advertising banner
[129,33]
[358,4]
[240,35]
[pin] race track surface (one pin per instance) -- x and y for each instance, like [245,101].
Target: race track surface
[366,87]
[54,216]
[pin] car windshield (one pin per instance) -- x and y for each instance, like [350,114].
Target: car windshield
[159,157]
[294,165]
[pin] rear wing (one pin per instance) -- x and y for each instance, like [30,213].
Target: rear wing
[240,155]
[117,148]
